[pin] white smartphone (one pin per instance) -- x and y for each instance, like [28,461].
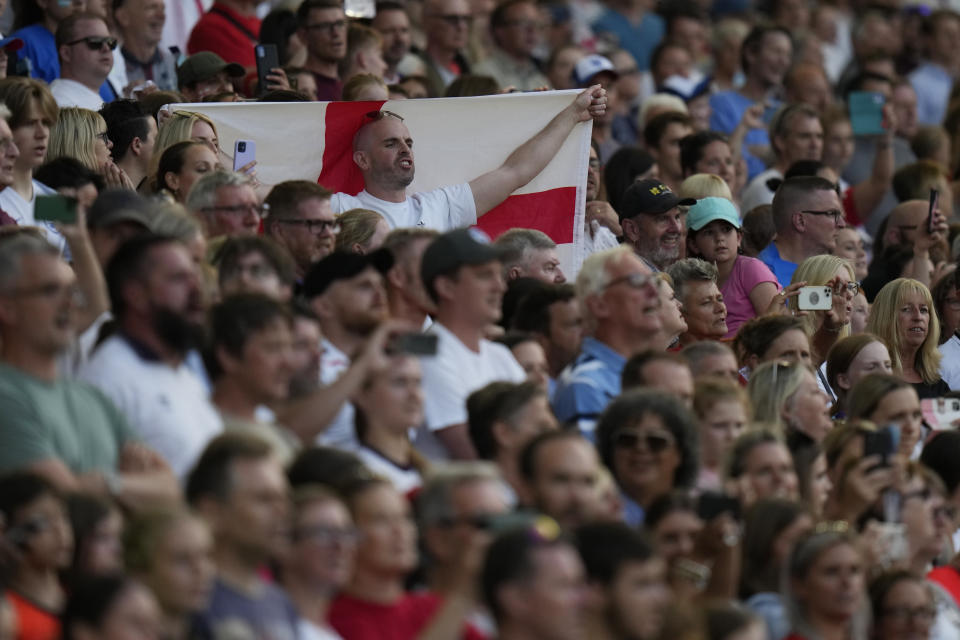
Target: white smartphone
[815,298]
[244,152]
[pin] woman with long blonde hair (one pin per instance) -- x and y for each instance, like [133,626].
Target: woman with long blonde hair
[82,134]
[180,126]
[903,316]
[826,327]
[785,395]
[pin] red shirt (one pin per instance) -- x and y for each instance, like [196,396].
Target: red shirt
[228,34]
[33,623]
[947,577]
[356,619]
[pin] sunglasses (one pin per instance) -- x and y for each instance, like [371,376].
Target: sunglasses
[629,439]
[380,115]
[95,43]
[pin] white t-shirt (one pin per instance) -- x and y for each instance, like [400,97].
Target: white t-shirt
[757,192]
[444,209]
[404,479]
[341,433]
[168,407]
[452,375]
[70,93]
[21,210]
[950,362]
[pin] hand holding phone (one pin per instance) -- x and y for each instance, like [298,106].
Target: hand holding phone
[267,60]
[244,152]
[815,298]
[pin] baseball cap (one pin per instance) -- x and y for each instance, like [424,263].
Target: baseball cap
[342,265]
[589,66]
[651,197]
[119,205]
[709,209]
[11,44]
[203,65]
[454,249]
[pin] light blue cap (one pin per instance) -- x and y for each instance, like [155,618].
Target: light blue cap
[709,209]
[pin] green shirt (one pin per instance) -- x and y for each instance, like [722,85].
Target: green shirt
[67,420]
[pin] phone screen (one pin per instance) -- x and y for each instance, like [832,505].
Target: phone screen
[934,203]
[56,208]
[866,113]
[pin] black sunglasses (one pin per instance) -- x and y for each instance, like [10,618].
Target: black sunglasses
[95,43]
[629,439]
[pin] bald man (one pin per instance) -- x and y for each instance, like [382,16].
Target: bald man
[383,150]
[907,227]
[808,83]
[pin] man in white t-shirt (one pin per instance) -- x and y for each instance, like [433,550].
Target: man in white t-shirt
[155,294]
[463,275]
[85,47]
[383,150]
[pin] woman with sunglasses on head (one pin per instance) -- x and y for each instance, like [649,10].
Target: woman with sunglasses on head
[786,395]
[903,316]
[648,440]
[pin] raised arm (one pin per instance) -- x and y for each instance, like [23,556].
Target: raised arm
[532,156]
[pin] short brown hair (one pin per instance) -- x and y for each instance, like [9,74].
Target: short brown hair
[211,476]
[285,197]
[68,26]
[20,94]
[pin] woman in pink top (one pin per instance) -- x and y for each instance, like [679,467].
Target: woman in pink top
[748,285]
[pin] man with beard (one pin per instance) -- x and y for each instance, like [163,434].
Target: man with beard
[300,220]
[393,25]
[59,428]
[653,223]
[346,292]
[155,294]
[383,150]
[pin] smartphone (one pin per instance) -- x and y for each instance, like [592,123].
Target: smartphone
[892,542]
[414,344]
[866,113]
[815,298]
[882,442]
[711,504]
[244,152]
[56,208]
[934,203]
[267,59]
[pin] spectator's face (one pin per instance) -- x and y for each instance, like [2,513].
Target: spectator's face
[393,399]
[809,409]
[203,132]
[409,284]
[769,473]
[8,154]
[561,73]
[860,312]
[325,543]
[920,503]
[773,59]
[32,137]
[564,483]
[541,264]
[197,161]
[692,34]
[792,345]
[593,175]
[566,330]
[628,82]
[628,303]
[656,237]
[371,61]
[394,28]
[905,108]
[672,378]
[901,407]
[821,230]
[359,303]
[637,598]
[704,310]
[142,19]
[717,241]
[676,535]
[305,244]
[252,273]
[723,365]
[850,247]
[147,144]
[255,517]
[838,145]
[173,287]
[531,357]
[102,551]
[811,87]
[236,212]
[908,611]
[325,34]
[102,145]
[720,425]
[943,44]
[470,503]
[385,155]
[447,23]
[833,587]
[212,85]
[873,358]
[803,140]
[553,599]
[388,535]
[49,537]
[913,320]
[673,61]
[134,615]
[306,355]
[520,34]
[182,570]
[645,457]
[671,312]
[82,60]
[265,367]
[41,311]
[307,85]
[716,158]
[477,287]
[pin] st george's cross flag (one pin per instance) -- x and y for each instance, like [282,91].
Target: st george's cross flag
[454,140]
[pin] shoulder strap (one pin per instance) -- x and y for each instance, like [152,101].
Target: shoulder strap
[243,28]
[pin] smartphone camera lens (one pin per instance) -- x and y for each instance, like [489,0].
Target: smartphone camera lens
[241,147]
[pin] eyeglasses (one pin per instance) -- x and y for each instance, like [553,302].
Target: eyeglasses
[313,226]
[836,214]
[53,292]
[104,137]
[454,20]
[923,615]
[336,25]
[326,535]
[636,280]
[852,287]
[380,115]
[630,438]
[260,210]
[95,43]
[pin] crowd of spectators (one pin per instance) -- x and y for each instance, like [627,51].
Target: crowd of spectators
[234,410]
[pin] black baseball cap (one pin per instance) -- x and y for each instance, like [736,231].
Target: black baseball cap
[119,205]
[454,249]
[342,265]
[651,197]
[204,65]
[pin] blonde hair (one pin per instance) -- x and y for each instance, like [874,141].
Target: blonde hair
[356,84]
[593,278]
[74,135]
[177,128]
[357,226]
[709,391]
[705,185]
[817,271]
[884,318]
[771,386]
[659,103]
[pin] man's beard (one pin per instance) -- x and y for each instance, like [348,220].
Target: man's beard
[176,331]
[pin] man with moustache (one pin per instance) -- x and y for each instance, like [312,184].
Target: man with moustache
[155,295]
[653,223]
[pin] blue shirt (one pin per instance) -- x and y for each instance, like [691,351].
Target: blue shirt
[586,386]
[40,49]
[639,40]
[782,269]
[932,84]
[727,109]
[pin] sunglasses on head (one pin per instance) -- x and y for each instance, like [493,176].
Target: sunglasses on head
[95,43]
[629,439]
